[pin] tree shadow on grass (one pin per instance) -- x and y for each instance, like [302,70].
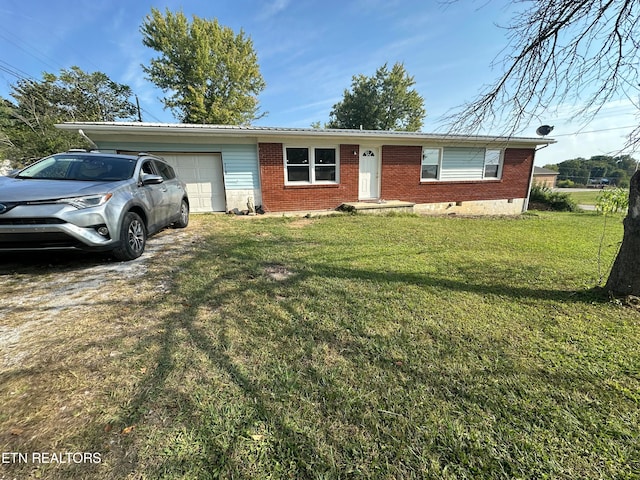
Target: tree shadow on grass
[161,402]
[39,262]
[260,386]
[515,292]
[245,380]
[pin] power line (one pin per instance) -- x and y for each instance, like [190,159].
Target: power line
[605,112]
[148,113]
[14,71]
[42,58]
[22,75]
[594,131]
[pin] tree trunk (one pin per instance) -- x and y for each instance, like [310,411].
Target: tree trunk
[624,278]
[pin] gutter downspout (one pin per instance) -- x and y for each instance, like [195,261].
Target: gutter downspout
[525,207]
[83,135]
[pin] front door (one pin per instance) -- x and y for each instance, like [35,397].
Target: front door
[369,183]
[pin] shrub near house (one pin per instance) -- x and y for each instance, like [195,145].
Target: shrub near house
[542,198]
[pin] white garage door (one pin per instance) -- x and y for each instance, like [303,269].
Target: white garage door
[202,172]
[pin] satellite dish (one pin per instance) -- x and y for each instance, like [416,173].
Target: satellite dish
[544,130]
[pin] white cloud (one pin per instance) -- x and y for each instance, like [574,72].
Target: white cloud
[272,8]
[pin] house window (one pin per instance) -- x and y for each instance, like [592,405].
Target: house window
[453,164]
[492,163]
[325,164]
[311,165]
[297,165]
[430,164]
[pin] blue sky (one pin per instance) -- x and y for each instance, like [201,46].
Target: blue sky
[307,50]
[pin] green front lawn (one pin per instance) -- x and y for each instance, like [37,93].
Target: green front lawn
[586,198]
[361,347]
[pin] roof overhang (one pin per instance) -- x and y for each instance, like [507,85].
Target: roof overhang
[544,171]
[108,130]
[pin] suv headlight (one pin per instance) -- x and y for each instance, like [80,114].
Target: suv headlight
[86,201]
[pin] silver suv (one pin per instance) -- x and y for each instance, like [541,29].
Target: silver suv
[91,201]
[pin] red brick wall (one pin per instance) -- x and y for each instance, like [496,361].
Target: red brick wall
[401,178]
[278,197]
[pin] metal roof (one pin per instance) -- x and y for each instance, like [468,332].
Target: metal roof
[145,128]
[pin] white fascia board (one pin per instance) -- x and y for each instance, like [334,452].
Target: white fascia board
[272,134]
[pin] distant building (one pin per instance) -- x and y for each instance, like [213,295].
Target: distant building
[544,177]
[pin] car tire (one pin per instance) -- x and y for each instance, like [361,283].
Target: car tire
[184,216]
[133,238]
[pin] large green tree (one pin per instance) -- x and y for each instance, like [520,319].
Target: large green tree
[618,170]
[384,101]
[27,130]
[210,74]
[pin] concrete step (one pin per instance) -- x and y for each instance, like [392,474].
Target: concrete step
[377,207]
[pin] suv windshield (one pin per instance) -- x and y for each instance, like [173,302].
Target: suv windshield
[78,166]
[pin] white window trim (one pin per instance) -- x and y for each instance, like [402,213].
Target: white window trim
[439,164]
[312,171]
[440,167]
[500,163]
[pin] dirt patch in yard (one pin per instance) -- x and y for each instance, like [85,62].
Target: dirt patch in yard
[301,222]
[278,273]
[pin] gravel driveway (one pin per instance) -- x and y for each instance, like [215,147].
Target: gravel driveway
[43,291]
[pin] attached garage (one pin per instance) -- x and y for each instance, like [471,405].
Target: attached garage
[220,170]
[203,174]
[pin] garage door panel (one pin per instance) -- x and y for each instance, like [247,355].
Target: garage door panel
[203,175]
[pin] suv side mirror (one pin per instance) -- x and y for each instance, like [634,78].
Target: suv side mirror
[148,179]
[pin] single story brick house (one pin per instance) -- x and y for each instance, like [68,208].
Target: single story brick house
[293,169]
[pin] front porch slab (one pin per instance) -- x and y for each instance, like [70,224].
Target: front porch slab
[383,206]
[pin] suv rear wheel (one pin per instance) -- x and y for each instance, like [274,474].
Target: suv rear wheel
[133,238]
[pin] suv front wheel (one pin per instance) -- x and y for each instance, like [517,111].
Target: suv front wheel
[133,238]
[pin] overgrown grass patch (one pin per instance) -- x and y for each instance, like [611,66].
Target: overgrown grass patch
[585,197]
[386,347]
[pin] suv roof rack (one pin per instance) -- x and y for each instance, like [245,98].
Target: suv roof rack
[152,155]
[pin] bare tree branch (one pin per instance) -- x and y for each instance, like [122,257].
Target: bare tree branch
[579,52]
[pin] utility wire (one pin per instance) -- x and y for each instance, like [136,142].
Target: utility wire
[14,71]
[22,75]
[594,131]
[42,58]
[149,114]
